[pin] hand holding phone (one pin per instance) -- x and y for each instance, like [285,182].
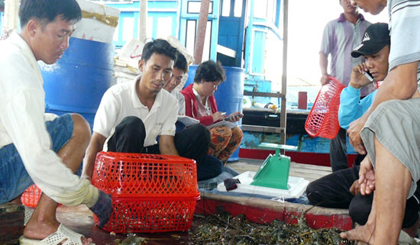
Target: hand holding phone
[236,117]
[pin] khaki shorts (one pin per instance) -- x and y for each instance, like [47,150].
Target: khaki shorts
[396,124]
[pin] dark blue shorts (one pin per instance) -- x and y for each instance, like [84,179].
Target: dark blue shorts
[14,179]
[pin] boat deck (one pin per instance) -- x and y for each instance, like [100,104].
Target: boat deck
[80,218]
[307,171]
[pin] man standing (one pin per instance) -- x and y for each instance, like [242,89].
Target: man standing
[31,149]
[340,37]
[132,115]
[389,131]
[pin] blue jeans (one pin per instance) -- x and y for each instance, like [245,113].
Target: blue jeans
[14,179]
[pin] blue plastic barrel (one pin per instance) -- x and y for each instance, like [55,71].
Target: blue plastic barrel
[229,94]
[77,81]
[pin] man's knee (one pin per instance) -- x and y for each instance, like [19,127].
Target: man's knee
[81,127]
[202,132]
[312,193]
[131,124]
[360,207]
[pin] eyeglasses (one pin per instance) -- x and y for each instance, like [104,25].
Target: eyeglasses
[215,84]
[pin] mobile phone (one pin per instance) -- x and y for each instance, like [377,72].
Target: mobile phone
[228,118]
[369,76]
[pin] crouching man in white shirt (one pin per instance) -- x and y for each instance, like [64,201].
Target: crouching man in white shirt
[132,115]
[31,149]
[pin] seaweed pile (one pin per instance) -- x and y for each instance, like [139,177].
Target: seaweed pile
[225,229]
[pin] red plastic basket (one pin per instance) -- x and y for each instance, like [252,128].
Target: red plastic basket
[322,120]
[151,193]
[31,196]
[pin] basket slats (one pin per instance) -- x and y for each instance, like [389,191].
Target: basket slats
[31,196]
[322,120]
[150,193]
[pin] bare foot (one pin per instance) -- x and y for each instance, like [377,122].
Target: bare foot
[360,233]
[41,230]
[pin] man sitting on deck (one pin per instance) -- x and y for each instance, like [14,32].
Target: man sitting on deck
[35,148]
[341,189]
[389,131]
[132,115]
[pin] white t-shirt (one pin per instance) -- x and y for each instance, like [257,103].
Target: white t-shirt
[121,101]
[22,122]
[181,101]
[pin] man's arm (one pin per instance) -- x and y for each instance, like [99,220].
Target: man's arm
[400,84]
[96,145]
[167,145]
[323,63]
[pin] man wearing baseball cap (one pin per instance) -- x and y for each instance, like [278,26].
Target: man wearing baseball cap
[375,48]
[341,189]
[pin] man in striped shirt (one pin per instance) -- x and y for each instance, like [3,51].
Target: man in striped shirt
[340,37]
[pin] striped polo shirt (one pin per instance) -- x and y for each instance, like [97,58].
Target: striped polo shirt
[404,25]
[340,37]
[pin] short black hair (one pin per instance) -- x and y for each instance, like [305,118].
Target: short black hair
[46,11]
[181,62]
[158,46]
[210,71]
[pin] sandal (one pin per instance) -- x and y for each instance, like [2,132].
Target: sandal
[62,233]
[28,214]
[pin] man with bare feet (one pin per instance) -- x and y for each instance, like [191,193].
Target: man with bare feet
[35,147]
[340,189]
[389,131]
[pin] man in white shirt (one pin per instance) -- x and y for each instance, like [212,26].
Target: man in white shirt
[179,71]
[34,148]
[132,115]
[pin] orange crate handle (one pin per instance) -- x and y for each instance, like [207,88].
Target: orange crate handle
[322,120]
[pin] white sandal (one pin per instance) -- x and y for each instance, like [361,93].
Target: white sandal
[28,214]
[62,233]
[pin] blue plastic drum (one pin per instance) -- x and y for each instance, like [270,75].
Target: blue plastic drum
[229,94]
[77,81]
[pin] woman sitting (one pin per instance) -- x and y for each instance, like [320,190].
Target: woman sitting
[201,104]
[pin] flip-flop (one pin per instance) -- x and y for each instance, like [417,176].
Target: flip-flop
[28,214]
[62,233]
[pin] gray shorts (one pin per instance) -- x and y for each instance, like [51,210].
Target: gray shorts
[396,124]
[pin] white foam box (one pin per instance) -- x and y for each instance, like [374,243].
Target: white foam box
[297,187]
[98,22]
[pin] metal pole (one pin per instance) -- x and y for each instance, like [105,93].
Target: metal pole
[283,112]
[143,21]
[201,32]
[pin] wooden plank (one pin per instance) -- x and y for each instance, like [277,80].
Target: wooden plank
[11,223]
[307,171]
